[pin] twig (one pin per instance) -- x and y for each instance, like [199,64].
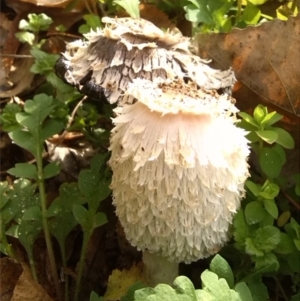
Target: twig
[291,200]
[63,34]
[281,289]
[23,56]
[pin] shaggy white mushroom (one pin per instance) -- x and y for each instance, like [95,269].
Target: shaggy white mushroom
[179,166]
[129,48]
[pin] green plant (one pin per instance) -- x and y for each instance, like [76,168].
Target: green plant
[222,16]
[217,284]
[23,205]
[254,229]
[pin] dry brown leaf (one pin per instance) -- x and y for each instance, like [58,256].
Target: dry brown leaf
[49,3]
[20,77]
[27,289]
[265,60]
[120,281]
[10,273]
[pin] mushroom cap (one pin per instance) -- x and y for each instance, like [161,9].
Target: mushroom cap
[129,48]
[179,166]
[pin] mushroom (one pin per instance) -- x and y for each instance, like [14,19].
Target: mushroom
[125,49]
[179,165]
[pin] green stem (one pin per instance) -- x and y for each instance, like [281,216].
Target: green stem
[64,262]
[7,247]
[260,149]
[239,9]
[32,266]
[86,238]
[41,184]
[281,289]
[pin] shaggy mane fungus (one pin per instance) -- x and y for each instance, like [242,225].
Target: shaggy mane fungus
[126,49]
[179,166]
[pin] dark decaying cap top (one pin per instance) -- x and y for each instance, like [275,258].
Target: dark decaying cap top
[110,58]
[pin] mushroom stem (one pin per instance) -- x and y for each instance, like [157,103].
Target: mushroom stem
[158,269]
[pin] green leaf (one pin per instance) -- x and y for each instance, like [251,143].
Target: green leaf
[99,219]
[24,170]
[8,117]
[131,7]
[4,197]
[270,162]
[99,161]
[268,261]
[198,12]
[251,249]
[131,291]
[269,190]
[258,289]
[267,221]
[220,267]
[184,291]
[217,287]
[268,136]
[296,297]
[91,184]
[254,188]
[24,140]
[294,261]
[21,197]
[81,215]
[88,182]
[270,119]
[296,227]
[28,232]
[296,178]
[251,15]
[51,170]
[95,297]
[254,213]
[271,207]
[248,119]
[142,294]
[260,111]
[286,244]
[33,213]
[92,22]
[69,195]
[36,111]
[297,243]
[241,229]
[36,23]
[62,220]
[243,291]
[280,151]
[284,138]
[61,225]
[266,238]
[44,62]
[50,128]
[25,37]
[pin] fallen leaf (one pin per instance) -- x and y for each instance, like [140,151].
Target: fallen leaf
[120,281]
[27,289]
[265,60]
[50,3]
[10,273]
